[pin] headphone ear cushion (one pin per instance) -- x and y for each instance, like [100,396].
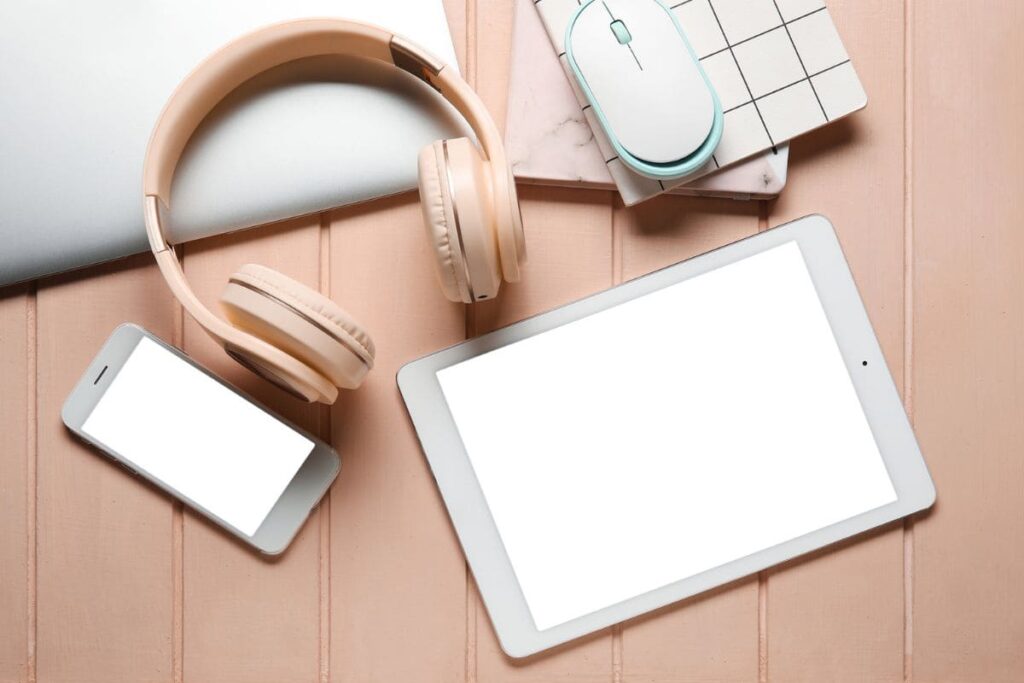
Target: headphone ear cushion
[438,219]
[458,210]
[300,321]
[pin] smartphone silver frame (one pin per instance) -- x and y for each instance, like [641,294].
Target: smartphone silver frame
[292,509]
[471,517]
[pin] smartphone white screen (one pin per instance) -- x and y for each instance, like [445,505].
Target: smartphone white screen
[666,436]
[206,442]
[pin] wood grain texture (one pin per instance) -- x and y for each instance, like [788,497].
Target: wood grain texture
[398,579]
[712,637]
[492,39]
[104,538]
[968,365]
[839,616]
[570,257]
[375,588]
[457,13]
[16,457]
[247,618]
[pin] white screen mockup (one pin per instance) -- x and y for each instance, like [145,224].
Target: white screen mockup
[197,436]
[666,436]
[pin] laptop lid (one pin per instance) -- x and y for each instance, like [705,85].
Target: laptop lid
[83,84]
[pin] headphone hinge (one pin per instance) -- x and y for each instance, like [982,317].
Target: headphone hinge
[154,215]
[413,59]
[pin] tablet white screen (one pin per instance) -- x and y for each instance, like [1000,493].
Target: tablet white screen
[666,436]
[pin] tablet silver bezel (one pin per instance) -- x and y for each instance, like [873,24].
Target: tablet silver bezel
[468,508]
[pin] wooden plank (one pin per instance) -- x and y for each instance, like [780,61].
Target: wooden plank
[669,229]
[104,538]
[493,38]
[712,637]
[570,256]
[17,374]
[456,11]
[839,615]
[398,579]
[968,362]
[247,618]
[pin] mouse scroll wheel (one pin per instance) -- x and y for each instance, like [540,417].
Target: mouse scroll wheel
[621,32]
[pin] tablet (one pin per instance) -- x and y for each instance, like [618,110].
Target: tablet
[666,436]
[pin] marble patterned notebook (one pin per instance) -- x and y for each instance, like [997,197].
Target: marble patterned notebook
[550,142]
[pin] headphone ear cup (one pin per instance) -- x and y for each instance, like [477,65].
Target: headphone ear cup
[292,375]
[511,238]
[299,321]
[458,212]
[435,203]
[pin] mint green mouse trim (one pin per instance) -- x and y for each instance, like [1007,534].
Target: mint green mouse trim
[658,171]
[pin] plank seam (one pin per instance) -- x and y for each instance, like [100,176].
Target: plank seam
[324,515]
[178,538]
[32,481]
[617,665]
[471,636]
[470,325]
[470,43]
[762,627]
[177,592]
[908,322]
[617,640]
[616,243]
[762,577]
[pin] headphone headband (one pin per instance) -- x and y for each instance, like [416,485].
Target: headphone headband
[280,44]
[247,57]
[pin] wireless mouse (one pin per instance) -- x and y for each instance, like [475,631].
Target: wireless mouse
[653,99]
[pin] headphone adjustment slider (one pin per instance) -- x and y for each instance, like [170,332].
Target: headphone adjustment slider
[157,240]
[415,60]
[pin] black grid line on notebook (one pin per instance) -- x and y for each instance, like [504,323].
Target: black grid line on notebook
[756,35]
[783,24]
[578,2]
[803,66]
[790,85]
[743,76]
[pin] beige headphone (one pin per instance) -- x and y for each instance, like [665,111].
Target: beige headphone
[279,328]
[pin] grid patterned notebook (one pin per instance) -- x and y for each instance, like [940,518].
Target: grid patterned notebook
[549,141]
[779,67]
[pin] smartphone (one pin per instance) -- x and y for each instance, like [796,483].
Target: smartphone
[161,416]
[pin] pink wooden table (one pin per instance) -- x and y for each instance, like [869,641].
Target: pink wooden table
[102,579]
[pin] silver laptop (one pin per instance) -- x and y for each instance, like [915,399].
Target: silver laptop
[83,83]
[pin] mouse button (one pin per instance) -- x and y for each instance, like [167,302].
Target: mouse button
[621,32]
[600,59]
[668,131]
[659,113]
[655,34]
[680,120]
[646,17]
[676,122]
[590,29]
